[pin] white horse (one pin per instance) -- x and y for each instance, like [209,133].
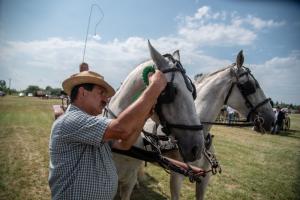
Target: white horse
[234,86]
[175,107]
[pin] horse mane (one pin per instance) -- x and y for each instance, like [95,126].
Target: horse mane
[198,78]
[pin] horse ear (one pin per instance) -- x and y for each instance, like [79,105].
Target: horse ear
[157,58]
[240,59]
[176,55]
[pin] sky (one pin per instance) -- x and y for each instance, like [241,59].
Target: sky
[42,41]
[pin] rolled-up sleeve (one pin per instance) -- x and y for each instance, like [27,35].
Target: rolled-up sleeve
[79,127]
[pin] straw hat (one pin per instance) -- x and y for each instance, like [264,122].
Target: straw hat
[86,77]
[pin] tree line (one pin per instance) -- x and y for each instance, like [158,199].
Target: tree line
[31,89]
[5,89]
[34,90]
[37,91]
[286,105]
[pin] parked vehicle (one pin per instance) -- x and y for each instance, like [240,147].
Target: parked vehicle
[21,94]
[2,94]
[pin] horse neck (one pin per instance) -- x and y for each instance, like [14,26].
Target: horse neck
[211,94]
[129,90]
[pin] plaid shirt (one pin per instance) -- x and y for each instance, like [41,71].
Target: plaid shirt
[81,165]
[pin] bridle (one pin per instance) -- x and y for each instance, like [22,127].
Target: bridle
[247,88]
[169,94]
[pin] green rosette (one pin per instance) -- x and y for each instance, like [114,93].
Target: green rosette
[146,71]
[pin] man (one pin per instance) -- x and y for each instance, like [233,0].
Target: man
[279,117]
[83,67]
[231,113]
[81,165]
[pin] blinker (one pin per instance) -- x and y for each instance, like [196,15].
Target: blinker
[168,95]
[247,88]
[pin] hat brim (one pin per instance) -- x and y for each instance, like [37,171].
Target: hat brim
[71,82]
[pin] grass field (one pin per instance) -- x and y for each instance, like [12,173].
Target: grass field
[255,166]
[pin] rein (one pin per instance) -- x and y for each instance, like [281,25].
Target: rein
[170,164]
[193,173]
[166,163]
[155,155]
[241,123]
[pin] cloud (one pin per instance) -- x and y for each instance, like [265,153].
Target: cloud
[218,35]
[96,37]
[207,27]
[50,61]
[260,24]
[279,76]
[34,62]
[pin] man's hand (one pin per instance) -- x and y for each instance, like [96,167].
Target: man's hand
[127,127]
[158,80]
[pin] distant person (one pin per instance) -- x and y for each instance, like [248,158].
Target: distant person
[83,67]
[81,165]
[279,117]
[272,103]
[222,115]
[231,113]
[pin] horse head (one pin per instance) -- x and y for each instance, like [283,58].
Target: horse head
[175,109]
[248,97]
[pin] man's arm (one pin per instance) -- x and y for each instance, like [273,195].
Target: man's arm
[126,128]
